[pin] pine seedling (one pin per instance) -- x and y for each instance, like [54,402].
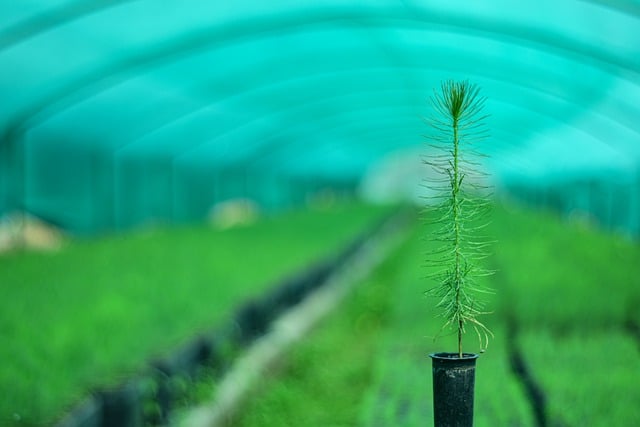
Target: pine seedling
[460,200]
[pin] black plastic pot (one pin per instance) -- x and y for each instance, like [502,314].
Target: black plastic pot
[453,385]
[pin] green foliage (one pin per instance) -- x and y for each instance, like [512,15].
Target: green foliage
[325,377]
[551,273]
[96,312]
[458,193]
[539,258]
[589,377]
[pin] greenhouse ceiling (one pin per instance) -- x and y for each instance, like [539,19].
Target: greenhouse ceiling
[303,89]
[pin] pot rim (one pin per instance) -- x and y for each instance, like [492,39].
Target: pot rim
[453,356]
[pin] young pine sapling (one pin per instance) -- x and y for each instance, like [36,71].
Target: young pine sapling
[460,199]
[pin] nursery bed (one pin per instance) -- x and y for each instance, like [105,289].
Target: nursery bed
[97,311]
[563,276]
[332,367]
[562,289]
[589,377]
[402,395]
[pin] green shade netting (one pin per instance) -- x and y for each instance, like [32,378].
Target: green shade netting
[115,112]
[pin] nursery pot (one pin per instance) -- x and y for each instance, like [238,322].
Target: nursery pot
[453,384]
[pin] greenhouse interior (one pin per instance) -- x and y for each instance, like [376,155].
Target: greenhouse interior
[287,213]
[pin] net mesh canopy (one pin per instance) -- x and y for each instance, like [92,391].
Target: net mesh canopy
[116,113]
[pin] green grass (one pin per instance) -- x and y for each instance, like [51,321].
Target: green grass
[369,364]
[570,289]
[500,400]
[563,276]
[589,378]
[322,381]
[97,311]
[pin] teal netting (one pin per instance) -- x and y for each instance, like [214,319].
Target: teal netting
[114,113]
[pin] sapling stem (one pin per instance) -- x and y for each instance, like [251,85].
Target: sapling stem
[456,222]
